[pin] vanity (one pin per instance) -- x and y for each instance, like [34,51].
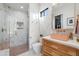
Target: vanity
[54,47]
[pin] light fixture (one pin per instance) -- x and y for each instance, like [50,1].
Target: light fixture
[21,7]
[54,4]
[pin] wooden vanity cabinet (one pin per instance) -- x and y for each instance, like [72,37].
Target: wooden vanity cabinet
[50,48]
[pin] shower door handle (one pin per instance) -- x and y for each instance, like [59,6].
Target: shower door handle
[3,29]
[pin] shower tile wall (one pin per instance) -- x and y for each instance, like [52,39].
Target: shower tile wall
[18,37]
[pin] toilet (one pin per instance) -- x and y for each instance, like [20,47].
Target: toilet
[37,47]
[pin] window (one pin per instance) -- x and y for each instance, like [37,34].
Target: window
[44,12]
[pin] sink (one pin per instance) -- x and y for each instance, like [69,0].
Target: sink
[64,37]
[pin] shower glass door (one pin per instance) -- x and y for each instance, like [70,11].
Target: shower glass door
[4,37]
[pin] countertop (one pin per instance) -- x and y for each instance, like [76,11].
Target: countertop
[70,42]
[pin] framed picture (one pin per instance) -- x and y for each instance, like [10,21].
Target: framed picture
[70,21]
[77,27]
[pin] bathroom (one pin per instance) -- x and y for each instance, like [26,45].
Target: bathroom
[24,25]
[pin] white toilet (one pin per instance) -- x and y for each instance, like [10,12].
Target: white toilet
[37,47]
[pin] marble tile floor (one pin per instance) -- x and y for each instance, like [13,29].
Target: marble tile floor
[29,53]
[4,52]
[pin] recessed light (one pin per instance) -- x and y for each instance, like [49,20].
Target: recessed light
[21,7]
[54,4]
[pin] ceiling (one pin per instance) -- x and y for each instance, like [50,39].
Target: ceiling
[18,6]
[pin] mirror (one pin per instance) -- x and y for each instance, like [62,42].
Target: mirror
[58,22]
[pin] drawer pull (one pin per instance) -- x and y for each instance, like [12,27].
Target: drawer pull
[54,47]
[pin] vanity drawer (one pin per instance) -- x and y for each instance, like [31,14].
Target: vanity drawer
[54,52]
[59,47]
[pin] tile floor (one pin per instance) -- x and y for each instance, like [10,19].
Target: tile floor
[4,52]
[30,53]
[27,53]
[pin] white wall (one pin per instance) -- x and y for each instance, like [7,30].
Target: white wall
[45,22]
[33,24]
[17,36]
[67,10]
[76,9]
